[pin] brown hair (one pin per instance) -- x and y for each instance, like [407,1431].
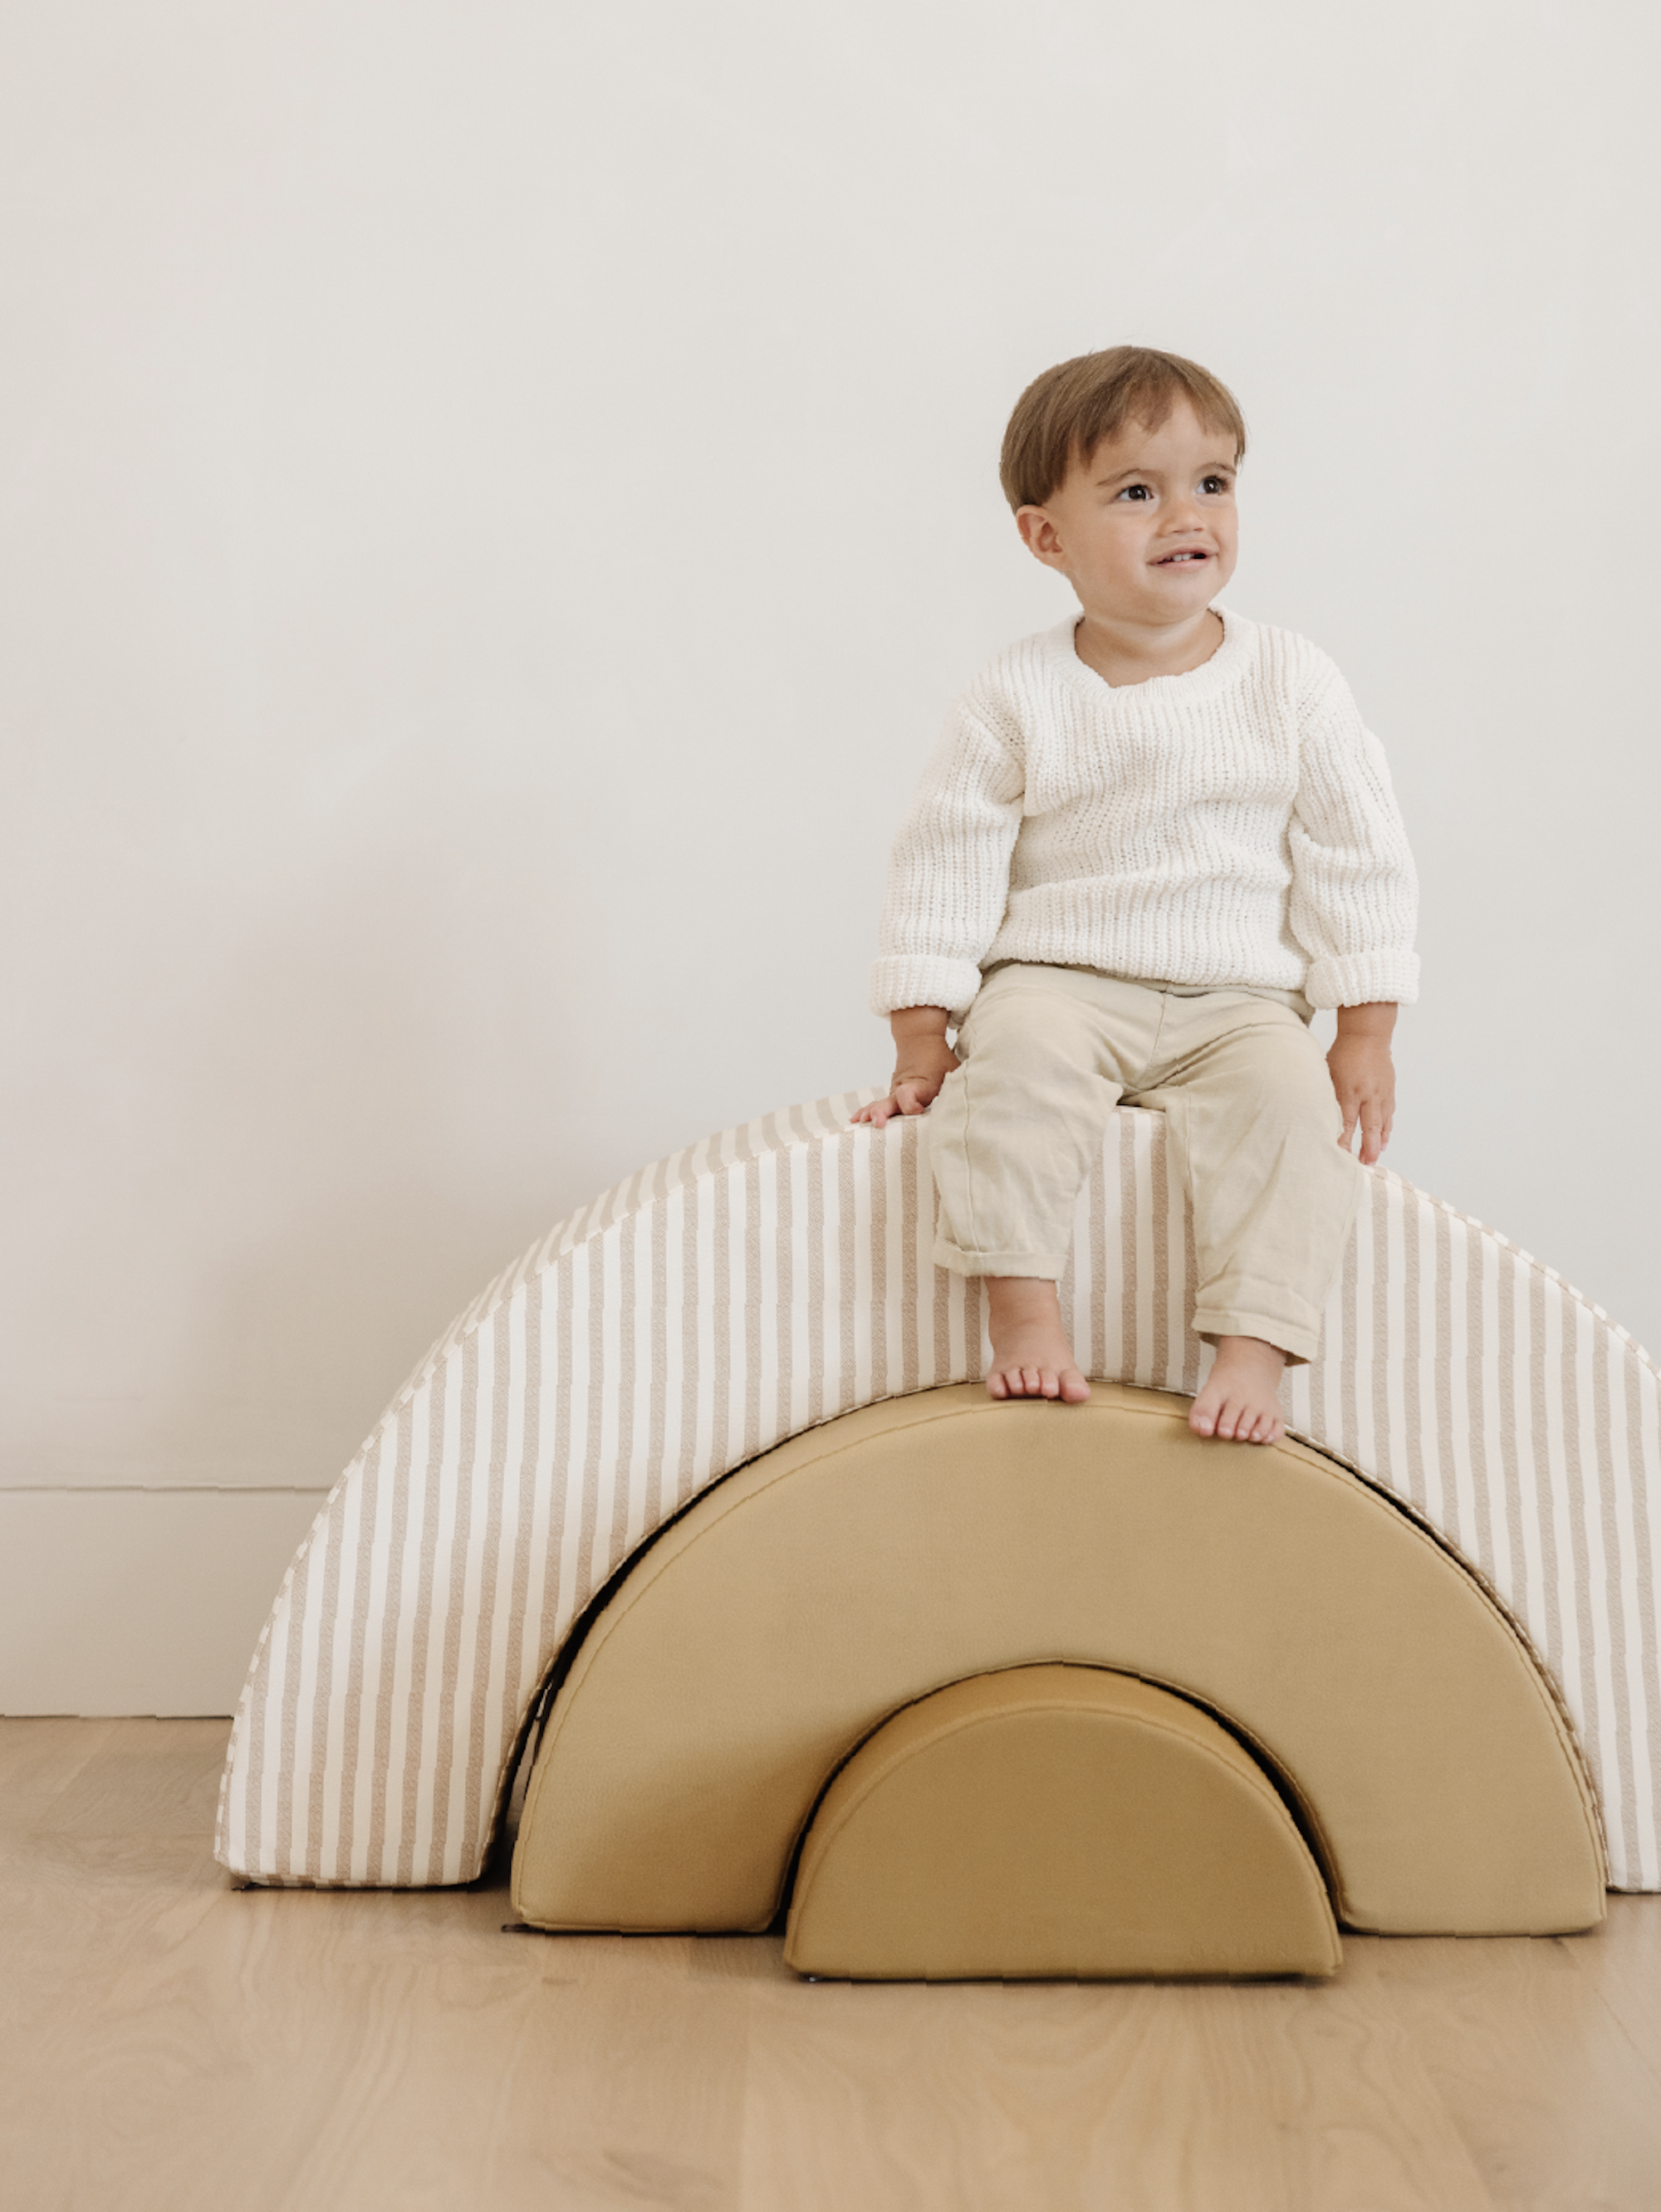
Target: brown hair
[1065,414]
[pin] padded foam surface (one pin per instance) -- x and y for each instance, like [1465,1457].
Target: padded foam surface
[862,1566]
[776,1275]
[1049,1820]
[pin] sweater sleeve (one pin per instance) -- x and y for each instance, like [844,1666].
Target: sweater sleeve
[948,874]
[1354,892]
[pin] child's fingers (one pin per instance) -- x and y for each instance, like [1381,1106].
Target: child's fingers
[1376,1117]
[904,1098]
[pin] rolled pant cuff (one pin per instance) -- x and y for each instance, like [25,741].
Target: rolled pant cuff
[1301,1344]
[1050,1265]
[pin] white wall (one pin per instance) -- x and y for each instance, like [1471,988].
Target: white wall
[495,499]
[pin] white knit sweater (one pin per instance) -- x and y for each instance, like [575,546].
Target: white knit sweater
[1232,825]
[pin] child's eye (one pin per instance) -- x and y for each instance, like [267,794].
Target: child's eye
[1214,483]
[1137,491]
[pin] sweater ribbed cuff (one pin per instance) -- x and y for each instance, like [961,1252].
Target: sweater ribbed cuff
[1364,979]
[923,979]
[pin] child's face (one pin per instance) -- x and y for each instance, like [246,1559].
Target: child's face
[1145,532]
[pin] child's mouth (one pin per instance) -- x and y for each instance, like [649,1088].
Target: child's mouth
[1171,560]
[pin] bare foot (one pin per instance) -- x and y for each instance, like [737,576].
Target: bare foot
[1241,1401]
[1030,1355]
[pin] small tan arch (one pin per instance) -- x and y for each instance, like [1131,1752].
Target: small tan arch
[1055,1820]
[863,1565]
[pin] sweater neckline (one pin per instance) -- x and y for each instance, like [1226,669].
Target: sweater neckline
[1210,677]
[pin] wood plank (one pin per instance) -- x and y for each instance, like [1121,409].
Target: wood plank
[168,2043]
[1627,1964]
[582,2072]
[1545,2084]
[153,1778]
[39,1759]
[972,2097]
[176,2043]
[75,1858]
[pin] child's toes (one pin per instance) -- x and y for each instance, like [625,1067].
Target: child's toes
[995,1385]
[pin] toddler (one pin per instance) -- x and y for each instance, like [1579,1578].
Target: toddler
[1151,841]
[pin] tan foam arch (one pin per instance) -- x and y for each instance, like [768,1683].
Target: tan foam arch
[861,1565]
[1055,1820]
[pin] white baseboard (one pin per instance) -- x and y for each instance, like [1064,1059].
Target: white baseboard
[125,1601]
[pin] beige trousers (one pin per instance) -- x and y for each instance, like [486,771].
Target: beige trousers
[1048,1052]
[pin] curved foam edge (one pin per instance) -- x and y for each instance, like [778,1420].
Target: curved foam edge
[774,1276]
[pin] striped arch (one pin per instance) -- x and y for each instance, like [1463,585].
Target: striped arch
[777,1275]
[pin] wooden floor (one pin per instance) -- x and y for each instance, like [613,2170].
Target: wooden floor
[167,2041]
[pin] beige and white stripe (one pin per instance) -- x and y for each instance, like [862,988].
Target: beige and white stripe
[779,1274]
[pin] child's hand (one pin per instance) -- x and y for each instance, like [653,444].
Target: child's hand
[924,1062]
[1364,1077]
[914,1088]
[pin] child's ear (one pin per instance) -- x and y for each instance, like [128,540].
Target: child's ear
[1039,535]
